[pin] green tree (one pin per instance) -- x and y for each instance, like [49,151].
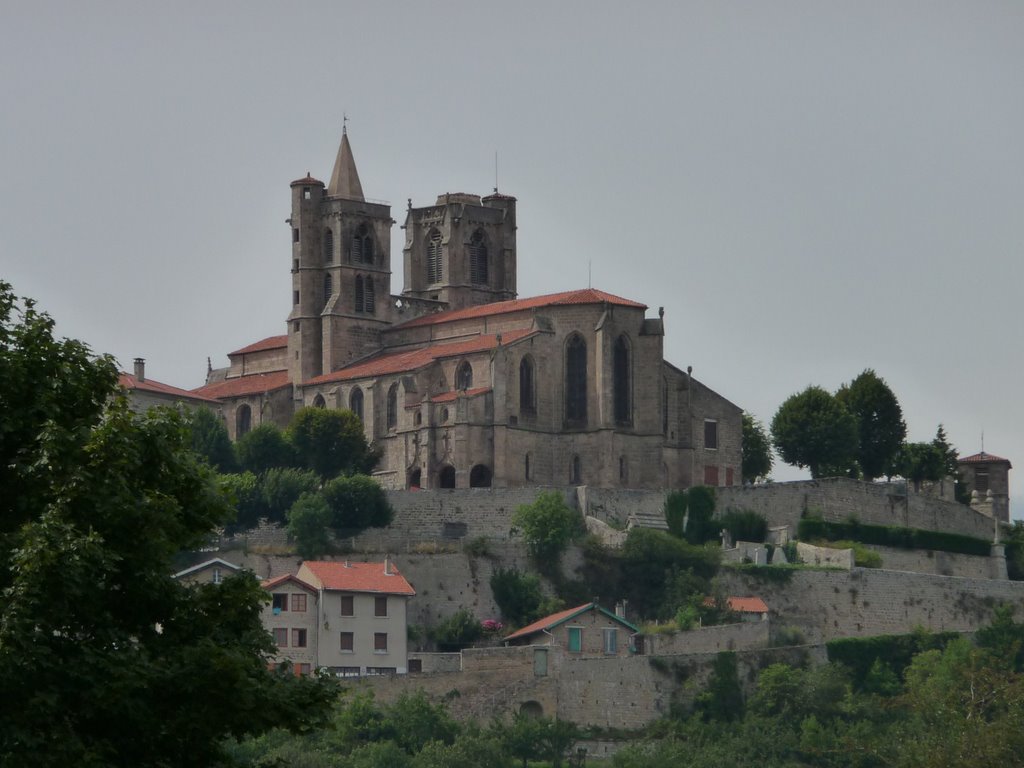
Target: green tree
[880,426]
[918,462]
[469,750]
[689,514]
[757,450]
[281,487]
[722,700]
[458,631]
[331,442]
[357,503]
[813,429]
[104,658]
[210,440]
[264,447]
[246,494]
[309,525]
[547,525]
[517,594]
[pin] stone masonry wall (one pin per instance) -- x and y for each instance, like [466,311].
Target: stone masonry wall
[939,563]
[744,635]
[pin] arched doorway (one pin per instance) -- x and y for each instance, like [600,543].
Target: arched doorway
[531,709]
[446,477]
[480,477]
[414,479]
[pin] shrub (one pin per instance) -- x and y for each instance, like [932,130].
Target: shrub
[548,525]
[743,525]
[478,547]
[695,507]
[859,654]
[457,631]
[862,556]
[517,594]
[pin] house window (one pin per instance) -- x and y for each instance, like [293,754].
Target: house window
[576,381]
[981,480]
[243,421]
[611,640]
[355,402]
[348,607]
[280,602]
[328,287]
[575,639]
[381,670]
[328,246]
[527,398]
[380,642]
[392,421]
[380,606]
[298,638]
[711,435]
[621,383]
[728,475]
[299,603]
[281,637]
[415,665]
[302,669]
[464,376]
[348,642]
[218,577]
[711,476]
[434,271]
[478,268]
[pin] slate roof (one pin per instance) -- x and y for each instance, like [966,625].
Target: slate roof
[584,296]
[252,384]
[360,577]
[129,382]
[552,621]
[271,342]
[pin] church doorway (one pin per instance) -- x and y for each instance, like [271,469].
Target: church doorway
[446,477]
[480,477]
[414,480]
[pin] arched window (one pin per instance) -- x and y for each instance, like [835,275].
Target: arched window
[392,420]
[446,477]
[360,295]
[478,268]
[243,421]
[464,376]
[355,402]
[319,402]
[328,287]
[480,477]
[434,271]
[414,478]
[362,245]
[527,394]
[621,382]
[328,246]
[576,381]
[368,297]
[575,471]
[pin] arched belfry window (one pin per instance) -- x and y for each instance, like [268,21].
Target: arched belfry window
[621,376]
[328,246]
[392,420]
[527,386]
[360,295]
[464,376]
[355,402]
[576,381]
[362,245]
[434,270]
[328,287]
[368,297]
[479,274]
[243,421]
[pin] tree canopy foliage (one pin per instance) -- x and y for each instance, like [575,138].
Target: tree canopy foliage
[880,425]
[331,442]
[547,525]
[814,429]
[757,450]
[210,440]
[104,658]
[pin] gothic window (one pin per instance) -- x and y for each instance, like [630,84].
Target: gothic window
[478,268]
[621,377]
[392,420]
[480,477]
[414,478]
[368,297]
[319,402]
[576,381]
[360,296]
[464,376]
[434,271]
[527,394]
[328,288]
[355,402]
[362,246]
[243,421]
[328,246]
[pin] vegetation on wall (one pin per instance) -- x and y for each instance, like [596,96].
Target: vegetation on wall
[548,525]
[811,528]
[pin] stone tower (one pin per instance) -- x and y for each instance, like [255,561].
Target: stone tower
[341,271]
[461,250]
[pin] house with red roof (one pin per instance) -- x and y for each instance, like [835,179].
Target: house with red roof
[585,631]
[459,382]
[291,617]
[362,609]
[145,393]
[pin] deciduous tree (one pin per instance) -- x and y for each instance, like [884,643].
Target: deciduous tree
[548,525]
[880,426]
[331,442]
[757,450]
[813,429]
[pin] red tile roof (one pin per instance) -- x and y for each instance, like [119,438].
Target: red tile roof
[252,384]
[271,342]
[278,580]
[129,382]
[742,604]
[981,458]
[584,296]
[308,180]
[549,622]
[360,577]
[447,397]
[411,360]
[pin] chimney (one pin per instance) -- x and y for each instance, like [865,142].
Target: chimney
[620,609]
[387,565]
[140,369]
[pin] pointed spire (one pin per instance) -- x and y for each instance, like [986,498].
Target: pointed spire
[345,178]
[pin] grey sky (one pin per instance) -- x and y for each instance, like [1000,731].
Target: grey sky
[809,189]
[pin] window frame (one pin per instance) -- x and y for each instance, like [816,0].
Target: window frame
[711,431]
[299,637]
[351,601]
[279,602]
[380,642]
[280,636]
[297,599]
[378,601]
[574,640]
[351,637]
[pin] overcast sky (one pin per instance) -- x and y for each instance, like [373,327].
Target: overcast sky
[809,189]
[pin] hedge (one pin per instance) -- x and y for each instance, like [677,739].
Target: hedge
[892,536]
[858,654]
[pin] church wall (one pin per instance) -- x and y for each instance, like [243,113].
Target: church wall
[708,405]
[264,361]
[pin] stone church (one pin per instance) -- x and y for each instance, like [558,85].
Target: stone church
[459,382]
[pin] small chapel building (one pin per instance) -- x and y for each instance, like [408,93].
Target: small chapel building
[457,381]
